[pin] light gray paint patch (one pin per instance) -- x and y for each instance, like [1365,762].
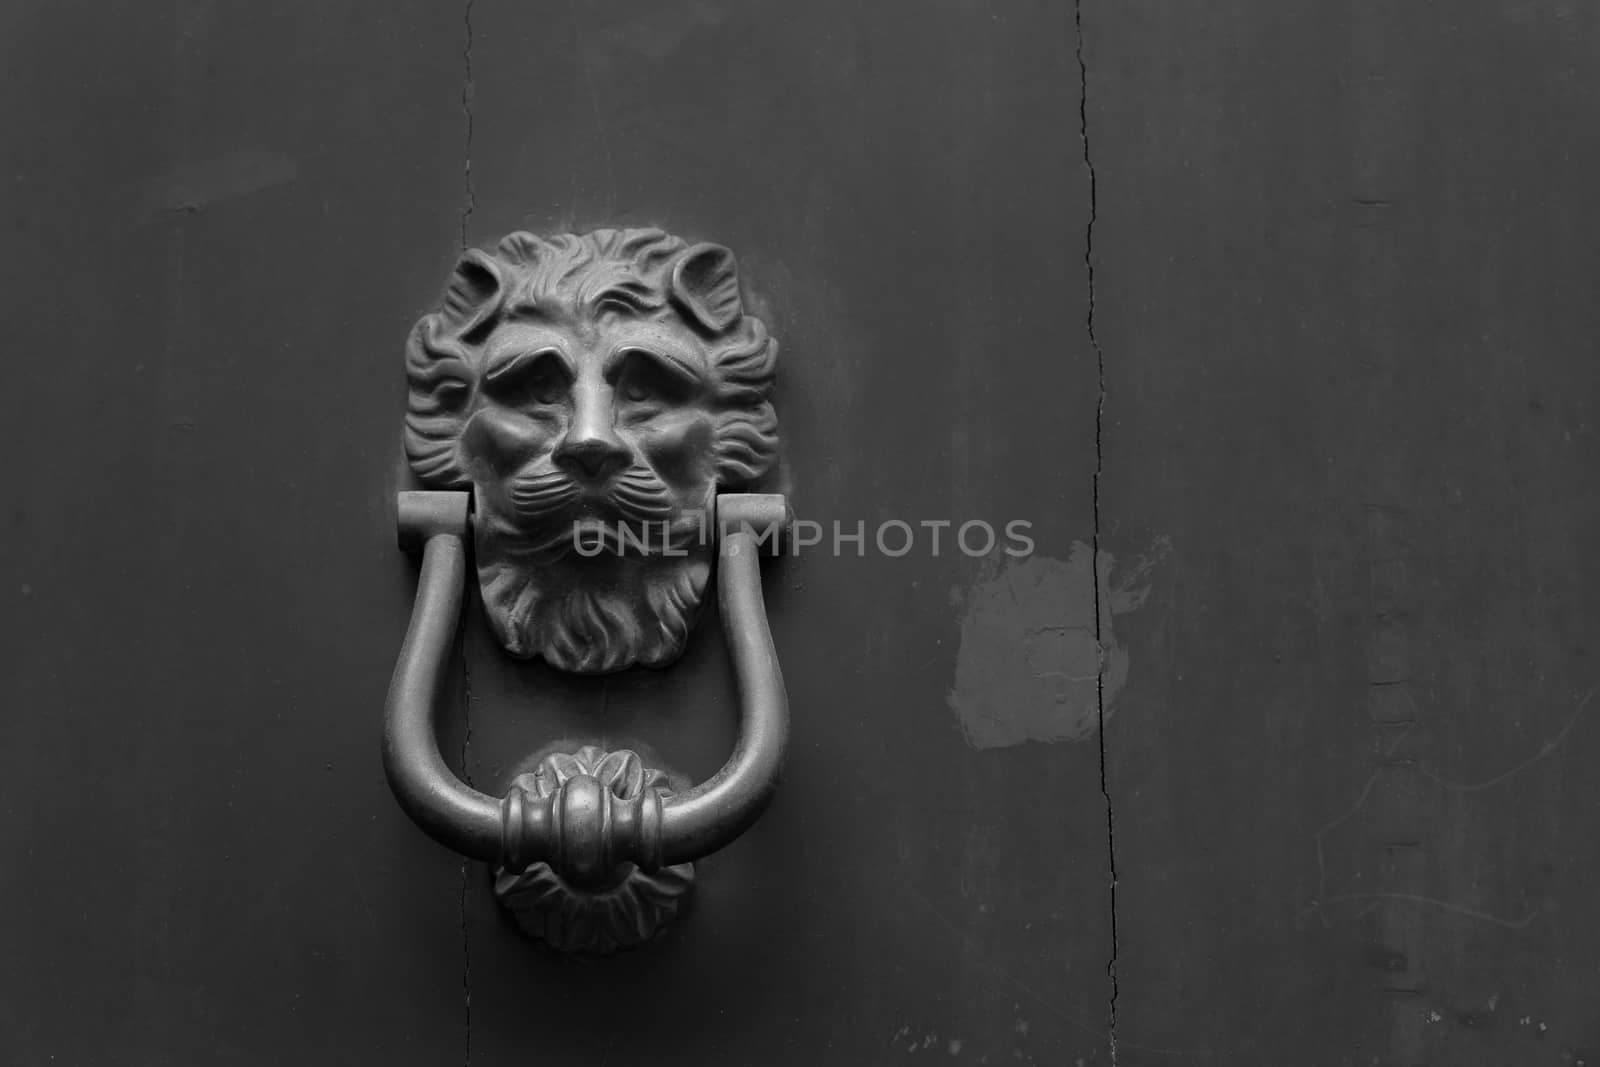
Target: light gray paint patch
[1028,660]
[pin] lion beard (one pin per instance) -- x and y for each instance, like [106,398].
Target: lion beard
[588,614]
[641,616]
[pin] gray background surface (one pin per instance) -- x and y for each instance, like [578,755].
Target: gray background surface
[1344,266]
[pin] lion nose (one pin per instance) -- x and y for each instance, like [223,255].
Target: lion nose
[591,449]
[592,456]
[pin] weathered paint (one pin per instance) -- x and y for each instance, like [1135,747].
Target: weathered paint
[1030,657]
[1345,284]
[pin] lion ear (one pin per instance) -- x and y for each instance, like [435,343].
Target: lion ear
[473,292]
[706,284]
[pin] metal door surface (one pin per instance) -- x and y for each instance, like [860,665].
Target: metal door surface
[1267,326]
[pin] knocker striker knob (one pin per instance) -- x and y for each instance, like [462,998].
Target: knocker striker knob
[580,868]
[583,829]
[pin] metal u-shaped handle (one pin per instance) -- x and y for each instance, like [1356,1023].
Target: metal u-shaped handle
[582,829]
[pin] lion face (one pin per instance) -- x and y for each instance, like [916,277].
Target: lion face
[590,432]
[595,392]
[591,451]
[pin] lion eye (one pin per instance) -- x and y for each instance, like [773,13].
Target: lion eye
[649,378]
[534,378]
[547,389]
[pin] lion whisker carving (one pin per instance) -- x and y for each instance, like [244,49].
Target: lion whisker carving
[641,495]
[542,493]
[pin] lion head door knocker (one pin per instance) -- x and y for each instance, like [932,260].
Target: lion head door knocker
[595,410]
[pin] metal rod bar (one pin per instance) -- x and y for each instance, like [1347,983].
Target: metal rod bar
[709,816]
[572,829]
[453,814]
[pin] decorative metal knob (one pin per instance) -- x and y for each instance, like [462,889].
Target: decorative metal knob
[619,906]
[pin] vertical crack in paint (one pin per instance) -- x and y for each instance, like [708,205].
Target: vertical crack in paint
[469,202]
[1099,466]
[466,775]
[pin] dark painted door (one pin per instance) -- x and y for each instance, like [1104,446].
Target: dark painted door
[223,220]
[1273,320]
[1345,268]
